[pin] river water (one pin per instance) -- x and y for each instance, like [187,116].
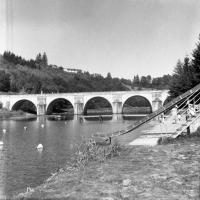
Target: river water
[22,166]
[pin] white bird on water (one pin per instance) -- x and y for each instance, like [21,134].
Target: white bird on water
[4,130]
[42,125]
[39,147]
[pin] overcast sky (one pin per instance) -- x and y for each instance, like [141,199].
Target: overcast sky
[124,37]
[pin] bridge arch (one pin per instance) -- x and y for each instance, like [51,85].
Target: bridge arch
[136,104]
[167,100]
[98,105]
[60,105]
[25,105]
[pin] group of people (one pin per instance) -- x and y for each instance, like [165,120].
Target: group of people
[176,116]
[191,112]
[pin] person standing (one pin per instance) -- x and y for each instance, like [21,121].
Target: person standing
[174,114]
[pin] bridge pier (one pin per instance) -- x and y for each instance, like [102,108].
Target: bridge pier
[117,107]
[41,105]
[78,108]
[41,109]
[156,104]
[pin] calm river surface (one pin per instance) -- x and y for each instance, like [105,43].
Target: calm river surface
[22,166]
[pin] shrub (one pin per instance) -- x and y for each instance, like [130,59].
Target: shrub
[89,151]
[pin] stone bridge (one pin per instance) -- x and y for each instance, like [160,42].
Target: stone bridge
[117,99]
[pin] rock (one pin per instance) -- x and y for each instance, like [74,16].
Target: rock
[126,182]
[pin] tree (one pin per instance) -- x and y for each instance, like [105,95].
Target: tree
[143,81]
[44,59]
[109,75]
[182,78]
[4,81]
[38,58]
[148,78]
[196,63]
[136,81]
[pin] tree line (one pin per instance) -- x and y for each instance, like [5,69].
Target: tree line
[186,73]
[36,75]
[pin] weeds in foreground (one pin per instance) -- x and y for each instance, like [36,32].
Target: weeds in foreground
[89,151]
[86,152]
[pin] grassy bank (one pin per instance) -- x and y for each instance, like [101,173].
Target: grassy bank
[168,171]
[6,114]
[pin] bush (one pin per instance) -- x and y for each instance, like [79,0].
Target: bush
[89,151]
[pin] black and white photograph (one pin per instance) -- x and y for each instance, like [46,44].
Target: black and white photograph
[100,99]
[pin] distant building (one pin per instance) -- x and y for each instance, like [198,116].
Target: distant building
[73,70]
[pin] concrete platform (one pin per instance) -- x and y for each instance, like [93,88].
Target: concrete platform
[145,141]
[151,136]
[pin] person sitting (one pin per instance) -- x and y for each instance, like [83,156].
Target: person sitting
[174,114]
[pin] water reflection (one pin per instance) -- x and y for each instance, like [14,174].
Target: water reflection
[22,166]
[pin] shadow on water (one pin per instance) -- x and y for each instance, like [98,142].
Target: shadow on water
[60,117]
[132,117]
[97,118]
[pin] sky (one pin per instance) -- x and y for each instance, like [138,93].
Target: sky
[123,37]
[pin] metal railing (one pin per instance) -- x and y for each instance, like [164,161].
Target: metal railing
[178,100]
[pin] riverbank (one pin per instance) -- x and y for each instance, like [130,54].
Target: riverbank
[168,171]
[15,115]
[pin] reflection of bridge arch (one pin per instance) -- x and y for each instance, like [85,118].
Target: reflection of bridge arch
[137,105]
[98,105]
[60,105]
[25,105]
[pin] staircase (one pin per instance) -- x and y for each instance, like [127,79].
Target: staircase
[191,94]
[183,128]
[166,129]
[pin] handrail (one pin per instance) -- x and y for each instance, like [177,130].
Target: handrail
[149,117]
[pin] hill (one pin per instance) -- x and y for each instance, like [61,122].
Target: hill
[33,76]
